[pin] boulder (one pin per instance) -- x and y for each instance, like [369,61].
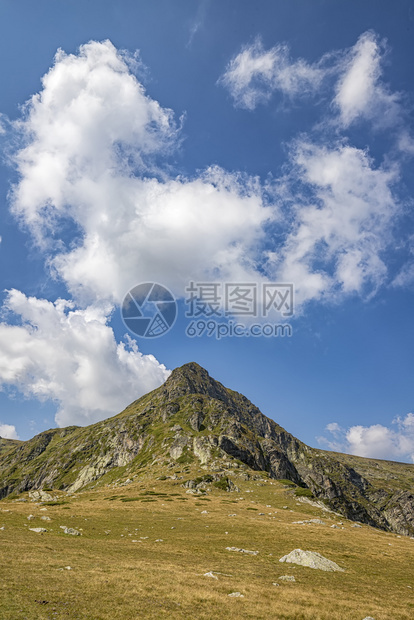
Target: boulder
[311,559]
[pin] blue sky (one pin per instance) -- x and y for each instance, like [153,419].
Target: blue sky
[213,142]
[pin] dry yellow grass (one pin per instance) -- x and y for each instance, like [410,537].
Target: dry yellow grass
[112,577]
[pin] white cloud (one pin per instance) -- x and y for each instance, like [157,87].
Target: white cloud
[352,78]
[90,134]
[71,356]
[254,74]
[8,431]
[90,118]
[375,441]
[405,277]
[91,165]
[406,142]
[342,220]
[167,232]
[360,92]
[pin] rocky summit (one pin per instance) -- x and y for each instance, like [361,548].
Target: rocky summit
[194,419]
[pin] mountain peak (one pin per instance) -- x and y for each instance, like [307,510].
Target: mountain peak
[191,378]
[195,423]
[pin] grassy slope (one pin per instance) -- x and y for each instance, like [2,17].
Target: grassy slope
[8,444]
[113,577]
[384,474]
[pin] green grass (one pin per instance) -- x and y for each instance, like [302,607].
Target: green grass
[301,492]
[114,578]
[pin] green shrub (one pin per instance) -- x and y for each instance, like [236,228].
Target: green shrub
[221,484]
[300,492]
[287,482]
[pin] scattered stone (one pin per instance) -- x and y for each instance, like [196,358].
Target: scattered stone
[311,559]
[275,584]
[261,514]
[335,526]
[316,521]
[38,530]
[287,578]
[356,525]
[236,594]
[159,540]
[210,574]
[43,509]
[175,429]
[242,550]
[70,530]
[30,517]
[40,496]
[2,528]
[233,515]
[45,518]
[204,512]
[369,618]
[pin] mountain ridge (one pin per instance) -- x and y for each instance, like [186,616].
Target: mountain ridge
[192,419]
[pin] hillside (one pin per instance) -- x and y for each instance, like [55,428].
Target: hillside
[194,420]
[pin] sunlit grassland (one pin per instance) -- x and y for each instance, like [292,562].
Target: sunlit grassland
[162,573]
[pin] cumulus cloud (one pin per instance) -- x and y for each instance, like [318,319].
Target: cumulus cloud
[351,78]
[341,224]
[92,119]
[360,92]
[91,135]
[375,441]
[70,356]
[82,164]
[8,431]
[255,73]
[95,193]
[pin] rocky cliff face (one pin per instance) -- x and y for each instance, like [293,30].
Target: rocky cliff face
[194,419]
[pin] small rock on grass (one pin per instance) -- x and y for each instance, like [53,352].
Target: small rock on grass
[242,550]
[70,530]
[236,594]
[38,530]
[210,574]
[287,578]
